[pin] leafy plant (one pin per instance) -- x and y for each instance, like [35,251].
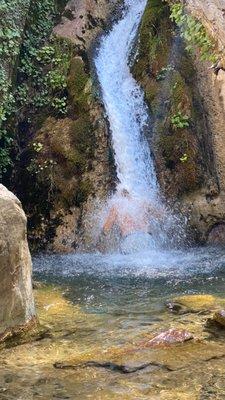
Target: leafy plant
[180,121]
[38,147]
[184,158]
[194,33]
[45,54]
[60,104]
[42,66]
[56,80]
[164,71]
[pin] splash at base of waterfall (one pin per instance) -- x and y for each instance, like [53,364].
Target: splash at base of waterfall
[123,218]
[128,225]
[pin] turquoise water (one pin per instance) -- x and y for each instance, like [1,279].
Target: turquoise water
[105,281]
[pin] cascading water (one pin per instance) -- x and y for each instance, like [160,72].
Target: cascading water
[128,118]
[124,104]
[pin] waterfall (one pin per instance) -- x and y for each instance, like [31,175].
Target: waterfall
[129,119]
[124,103]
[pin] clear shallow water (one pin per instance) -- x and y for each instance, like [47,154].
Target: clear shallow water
[101,308]
[102,279]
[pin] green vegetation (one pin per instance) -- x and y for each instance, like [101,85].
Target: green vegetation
[155,38]
[194,33]
[184,158]
[42,67]
[77,81]
[180,121]
[11,12]
[164,71]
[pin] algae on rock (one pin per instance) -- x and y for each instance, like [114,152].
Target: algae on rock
[166,72]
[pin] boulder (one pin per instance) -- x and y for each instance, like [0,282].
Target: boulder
[219,317]
[17,308]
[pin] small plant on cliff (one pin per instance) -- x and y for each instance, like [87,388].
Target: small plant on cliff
[180,121]
[56,80]
[163,73]
[184,158]
[60,104]
[194,33]
[45,54]
[38,147]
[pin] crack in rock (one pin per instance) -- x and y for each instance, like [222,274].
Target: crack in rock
[123,369]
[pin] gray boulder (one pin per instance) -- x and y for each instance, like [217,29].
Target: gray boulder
[17,308]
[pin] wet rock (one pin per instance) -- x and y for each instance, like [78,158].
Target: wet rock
[123,369]
[217,234]
[219,317]
[194,303]
[38,285]
[16,298]
[177,308]
[172,336]
[83,20]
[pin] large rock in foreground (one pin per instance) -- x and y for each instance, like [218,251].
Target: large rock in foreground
[16,297]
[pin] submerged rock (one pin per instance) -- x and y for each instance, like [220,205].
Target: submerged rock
[172,336]
[194,303]
[123,369]
[177,308]
[219,317]
[16,298]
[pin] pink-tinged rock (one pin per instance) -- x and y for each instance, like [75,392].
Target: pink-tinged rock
[172,336]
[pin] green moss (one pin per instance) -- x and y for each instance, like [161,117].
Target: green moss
[151,91]
[172,149]
[186,67]
[60,5]
[155,36]
[178,90]
[84,190]
[77,81]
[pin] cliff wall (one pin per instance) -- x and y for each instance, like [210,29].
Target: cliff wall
[184,89]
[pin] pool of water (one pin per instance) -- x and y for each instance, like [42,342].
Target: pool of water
[115,277]
[101,308]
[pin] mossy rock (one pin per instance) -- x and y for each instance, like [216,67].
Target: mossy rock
[171,148]
[197,301]
[154,39]
[76,85]
[84,190]
[180,95]
[82,134]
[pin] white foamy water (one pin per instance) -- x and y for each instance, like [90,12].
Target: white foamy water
[124,104]
[151,264]
[129,119]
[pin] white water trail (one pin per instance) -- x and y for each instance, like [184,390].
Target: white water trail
[129,120]
[124,104]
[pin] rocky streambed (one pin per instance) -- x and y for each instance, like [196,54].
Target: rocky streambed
[109,335]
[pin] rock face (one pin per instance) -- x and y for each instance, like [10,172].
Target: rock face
[64,156]
[68,173]
[189,159]
[56,179]
[16,297]
[207,206]
[82,20]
